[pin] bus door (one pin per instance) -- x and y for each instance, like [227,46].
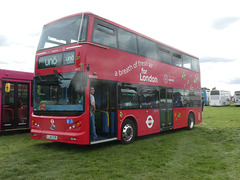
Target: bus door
[106,113]
[166,109]
[15,105]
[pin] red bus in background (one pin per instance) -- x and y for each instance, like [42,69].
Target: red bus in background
[15,100]
[142,86]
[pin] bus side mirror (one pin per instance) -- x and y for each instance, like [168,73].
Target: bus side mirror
[80,80]
[83,78]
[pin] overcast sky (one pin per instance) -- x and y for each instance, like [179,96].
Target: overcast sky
[208,29]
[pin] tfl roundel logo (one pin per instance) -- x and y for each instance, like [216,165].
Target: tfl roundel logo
[165,79]
[149,121]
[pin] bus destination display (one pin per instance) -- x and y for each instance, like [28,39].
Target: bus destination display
[56,60]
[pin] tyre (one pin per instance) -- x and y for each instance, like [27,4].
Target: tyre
[128,132]
[191,121]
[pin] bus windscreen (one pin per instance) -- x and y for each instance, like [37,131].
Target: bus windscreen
[63,32]
[58,93]
[214,92]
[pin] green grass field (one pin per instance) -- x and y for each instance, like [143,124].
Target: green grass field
[210,151]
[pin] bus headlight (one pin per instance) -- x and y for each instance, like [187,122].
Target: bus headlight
[35,123]
[76,125]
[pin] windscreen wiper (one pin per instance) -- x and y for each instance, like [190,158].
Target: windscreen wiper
[60,76]
[40,77]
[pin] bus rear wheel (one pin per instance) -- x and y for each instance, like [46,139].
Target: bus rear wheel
[191,121]
[128,132]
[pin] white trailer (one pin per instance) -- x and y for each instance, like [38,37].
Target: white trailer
[220,98]
[236,98]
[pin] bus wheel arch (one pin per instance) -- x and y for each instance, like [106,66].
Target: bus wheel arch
[191,121]
[128,130]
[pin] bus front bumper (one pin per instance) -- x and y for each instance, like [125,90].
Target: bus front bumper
[64,137]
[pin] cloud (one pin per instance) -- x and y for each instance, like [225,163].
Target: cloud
[35,34]
[234,81]
[3,41]
[3,62]
[215,60]
[26,45]
[222,23]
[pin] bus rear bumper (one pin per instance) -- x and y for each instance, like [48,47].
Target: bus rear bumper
[64,137]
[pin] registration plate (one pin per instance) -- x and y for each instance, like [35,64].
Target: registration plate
[52,137]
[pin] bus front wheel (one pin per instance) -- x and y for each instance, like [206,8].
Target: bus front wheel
[191,121]
[128,132]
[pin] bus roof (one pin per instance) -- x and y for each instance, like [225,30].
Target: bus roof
[118,25]
[10,74]
[220,90]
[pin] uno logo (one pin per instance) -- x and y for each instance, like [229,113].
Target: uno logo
[51,62]
[149,121]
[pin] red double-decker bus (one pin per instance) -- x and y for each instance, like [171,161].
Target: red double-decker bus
[15,100]
[142,86]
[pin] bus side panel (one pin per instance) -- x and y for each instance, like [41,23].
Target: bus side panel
[148,120]
[112,63]
[180,116]
[197,114]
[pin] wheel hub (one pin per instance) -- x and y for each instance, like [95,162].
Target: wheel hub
[127,132]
